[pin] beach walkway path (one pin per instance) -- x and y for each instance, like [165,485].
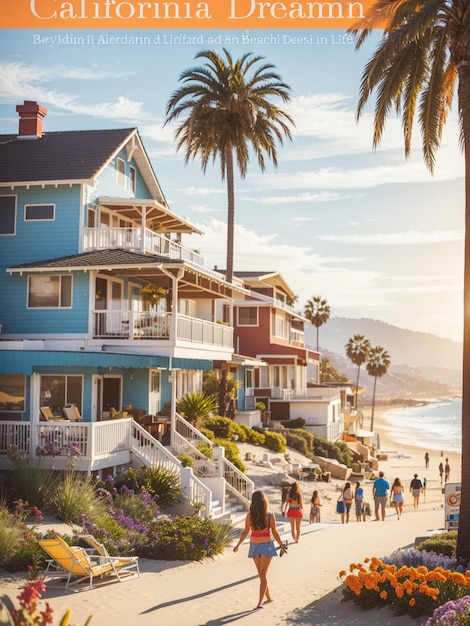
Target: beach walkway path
[304,583]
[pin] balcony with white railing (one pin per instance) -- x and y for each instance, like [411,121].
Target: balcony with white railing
[108,324]
[297,338]
[131,239]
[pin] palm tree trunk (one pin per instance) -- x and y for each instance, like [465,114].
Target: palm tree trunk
[223,391]
[463,541]
[357,388]
[230,213]
[373,406]
[318,328]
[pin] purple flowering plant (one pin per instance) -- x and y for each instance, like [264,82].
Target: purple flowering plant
[453,613]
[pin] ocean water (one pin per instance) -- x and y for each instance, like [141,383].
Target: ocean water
[435,425]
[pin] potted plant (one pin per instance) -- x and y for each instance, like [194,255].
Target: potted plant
[151,293]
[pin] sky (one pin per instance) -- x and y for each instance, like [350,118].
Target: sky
[373,233]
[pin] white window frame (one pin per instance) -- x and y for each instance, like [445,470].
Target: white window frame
[132,178]
[120,172]
[15,208]
[39,219]
[59,303]
[280,326]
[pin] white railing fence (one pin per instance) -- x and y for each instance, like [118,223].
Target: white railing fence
[131,239]
[187,437]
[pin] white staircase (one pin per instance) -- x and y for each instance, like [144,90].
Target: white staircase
[233,498]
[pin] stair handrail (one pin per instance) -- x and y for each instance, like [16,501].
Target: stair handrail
[238,483]
[151,452]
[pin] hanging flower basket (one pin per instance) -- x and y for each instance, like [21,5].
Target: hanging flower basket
[151,293]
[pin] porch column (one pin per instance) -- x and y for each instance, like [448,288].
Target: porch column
[34,405]
[144,215]
[173,380]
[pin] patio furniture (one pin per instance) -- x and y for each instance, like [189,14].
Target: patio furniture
[121,563]
[72,413]
[75,566]
[46,414]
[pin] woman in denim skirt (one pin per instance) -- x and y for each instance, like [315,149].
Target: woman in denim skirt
[262,525]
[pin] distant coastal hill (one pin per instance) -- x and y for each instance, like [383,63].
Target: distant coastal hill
[423,365]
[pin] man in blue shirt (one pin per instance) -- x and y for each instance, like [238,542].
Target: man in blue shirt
[380,492]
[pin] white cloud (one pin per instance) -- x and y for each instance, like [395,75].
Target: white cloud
[19,81]
[406,238]
[324,196]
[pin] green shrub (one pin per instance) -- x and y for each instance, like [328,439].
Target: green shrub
[232,453]
[186,538]
[299,422]
[205,449]
[255,437]
[296,441]
[442,543]
[135,506]
[299,440]
[186,460]
[74,495]
[337,450]
[207,433]
[275,441]
[222,427]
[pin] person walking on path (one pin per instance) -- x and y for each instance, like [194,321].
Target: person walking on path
[416,488]
[347,497]
[441,472]
[397,497]
[380,491]
[315,504]
[358,501]
[426,460]
[447,471]
[262,525]
[293,509]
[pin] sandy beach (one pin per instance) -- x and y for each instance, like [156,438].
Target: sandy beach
[304,583]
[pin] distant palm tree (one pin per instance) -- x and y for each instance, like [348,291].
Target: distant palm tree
[227,109]
[357,351]
[421,62]
[317,311]
[377,366]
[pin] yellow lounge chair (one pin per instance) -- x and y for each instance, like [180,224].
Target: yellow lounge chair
[121,563]
[74,563]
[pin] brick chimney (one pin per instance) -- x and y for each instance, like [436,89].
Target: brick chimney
[31,116]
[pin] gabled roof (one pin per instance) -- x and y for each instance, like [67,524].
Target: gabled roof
[79,156]
[266,279]
[59,156]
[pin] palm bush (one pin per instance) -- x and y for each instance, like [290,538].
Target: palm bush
[196,406]
[157,481]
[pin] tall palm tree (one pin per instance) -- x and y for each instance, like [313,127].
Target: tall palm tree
[227,108]
[422,60]
[357,351]
[377,366]
[317,311]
